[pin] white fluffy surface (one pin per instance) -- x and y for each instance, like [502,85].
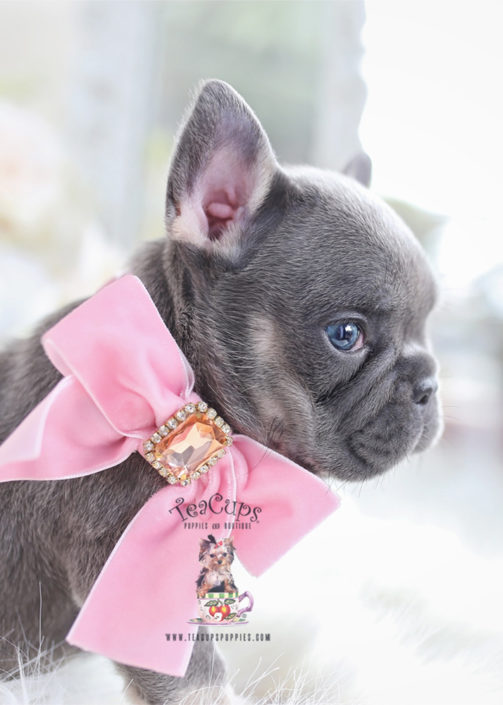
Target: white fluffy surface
[364,611]
[84,680]
[400,613]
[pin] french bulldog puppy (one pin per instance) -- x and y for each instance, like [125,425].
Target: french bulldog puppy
[300,300]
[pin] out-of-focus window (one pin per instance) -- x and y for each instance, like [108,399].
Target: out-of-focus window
[98,89]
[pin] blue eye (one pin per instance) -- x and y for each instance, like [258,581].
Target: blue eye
[345,335]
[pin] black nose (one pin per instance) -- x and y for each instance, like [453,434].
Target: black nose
[424,390]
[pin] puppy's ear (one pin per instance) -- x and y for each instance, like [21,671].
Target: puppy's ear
[203,547]
[359,168]
[229,544]
[220,172]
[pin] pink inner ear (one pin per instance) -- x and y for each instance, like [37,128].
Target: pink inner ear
[219,214]
[225,187]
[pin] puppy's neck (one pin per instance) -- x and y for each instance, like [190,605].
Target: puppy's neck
[163,274]
[161,266]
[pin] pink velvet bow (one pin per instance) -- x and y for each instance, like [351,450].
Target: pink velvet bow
[123,376]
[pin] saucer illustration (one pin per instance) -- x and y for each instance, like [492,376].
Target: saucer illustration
[198,620]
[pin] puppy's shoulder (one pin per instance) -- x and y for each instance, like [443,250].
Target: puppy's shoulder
[26,374]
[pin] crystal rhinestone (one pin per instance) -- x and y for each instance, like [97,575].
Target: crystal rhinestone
[226,428]
[193,443]
[211,413]
[163,430]
[150,457]
[172,479]
[148,445]
[172,424]
[156,438]
[196,475]
[190,408]
[221,453]
[163,472]
[184,482]
[219,422]
[212,460]
[203,469]
[228,441]
[157,465]
[180,415]
[202,406]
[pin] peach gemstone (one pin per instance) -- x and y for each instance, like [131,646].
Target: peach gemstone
[194,441]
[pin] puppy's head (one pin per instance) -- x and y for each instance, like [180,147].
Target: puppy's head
[299,298]
[216,555]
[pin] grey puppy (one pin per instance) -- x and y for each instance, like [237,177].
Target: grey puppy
[299,299]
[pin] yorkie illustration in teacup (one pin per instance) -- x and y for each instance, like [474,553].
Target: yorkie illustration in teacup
[217,593]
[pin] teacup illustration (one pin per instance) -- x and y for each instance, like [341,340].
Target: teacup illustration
[223,607]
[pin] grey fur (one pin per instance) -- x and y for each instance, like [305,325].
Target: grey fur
[249,309]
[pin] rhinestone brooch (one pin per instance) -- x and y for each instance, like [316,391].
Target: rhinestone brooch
[188,444]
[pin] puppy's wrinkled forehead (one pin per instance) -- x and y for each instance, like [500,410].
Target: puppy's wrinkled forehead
[340,245]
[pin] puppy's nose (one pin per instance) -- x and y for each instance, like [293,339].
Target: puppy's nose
[424,390]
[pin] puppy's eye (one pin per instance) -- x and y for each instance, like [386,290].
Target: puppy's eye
[345,335]
[212,555]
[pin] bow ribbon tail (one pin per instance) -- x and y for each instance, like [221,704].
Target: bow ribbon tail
[139,608]
[65,436]
[288,500]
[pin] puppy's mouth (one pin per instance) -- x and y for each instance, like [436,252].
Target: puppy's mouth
[371,450]
[379,445]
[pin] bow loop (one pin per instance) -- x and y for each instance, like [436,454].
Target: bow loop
[117,346]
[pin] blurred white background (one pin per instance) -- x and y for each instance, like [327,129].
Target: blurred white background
[410,572]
